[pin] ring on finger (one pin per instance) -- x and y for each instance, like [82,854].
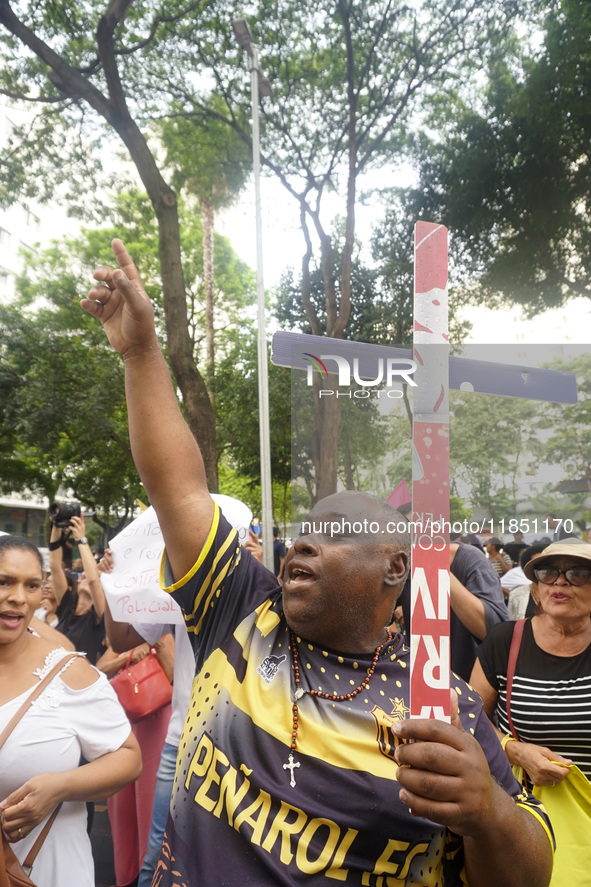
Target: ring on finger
[20,832]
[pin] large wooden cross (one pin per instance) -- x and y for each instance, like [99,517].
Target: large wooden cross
[433,371]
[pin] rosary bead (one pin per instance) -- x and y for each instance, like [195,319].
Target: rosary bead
[299,692]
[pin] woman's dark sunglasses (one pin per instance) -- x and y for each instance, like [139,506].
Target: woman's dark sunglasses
[573,575]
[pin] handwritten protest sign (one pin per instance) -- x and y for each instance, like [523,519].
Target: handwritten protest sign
[133,590]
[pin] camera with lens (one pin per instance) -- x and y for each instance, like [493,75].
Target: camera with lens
[61,513]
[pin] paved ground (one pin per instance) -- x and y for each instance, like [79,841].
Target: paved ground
[102,846]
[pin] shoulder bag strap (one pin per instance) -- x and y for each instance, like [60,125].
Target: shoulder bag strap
[32,854]
[512,661]
[34,695]
[27,865]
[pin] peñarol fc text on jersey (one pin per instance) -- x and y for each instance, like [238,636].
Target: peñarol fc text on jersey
[242,811]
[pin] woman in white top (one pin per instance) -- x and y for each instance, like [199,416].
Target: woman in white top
[76,717]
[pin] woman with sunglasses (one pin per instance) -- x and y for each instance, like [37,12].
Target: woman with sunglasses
[545,727]
[550,703]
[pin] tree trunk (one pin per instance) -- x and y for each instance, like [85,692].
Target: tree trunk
[207,220]
[327,411]
[112,107]
[198,408]
[327,414]
[349,478]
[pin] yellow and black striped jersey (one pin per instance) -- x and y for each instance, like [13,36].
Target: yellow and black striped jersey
[242,811]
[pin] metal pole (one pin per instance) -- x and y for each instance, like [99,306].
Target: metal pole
[263,369]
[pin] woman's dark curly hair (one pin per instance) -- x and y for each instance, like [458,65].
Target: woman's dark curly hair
[8,542]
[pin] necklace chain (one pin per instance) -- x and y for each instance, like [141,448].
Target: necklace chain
[334,697]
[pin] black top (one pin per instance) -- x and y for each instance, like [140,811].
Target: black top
[86,632]
[513,549]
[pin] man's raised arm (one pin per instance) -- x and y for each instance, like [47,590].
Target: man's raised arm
[164,450]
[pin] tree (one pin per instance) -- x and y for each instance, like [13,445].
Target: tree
[381,313]
[215,176]
[511,178]
[63,413]
[348,78]
[381,296]
[68,60]
[392,250]
[569,444]
[62,409]
[238,429]
[493,443]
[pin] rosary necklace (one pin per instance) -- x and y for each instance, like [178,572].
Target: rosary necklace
[334,697]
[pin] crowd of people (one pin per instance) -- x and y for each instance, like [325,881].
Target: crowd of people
[286,755]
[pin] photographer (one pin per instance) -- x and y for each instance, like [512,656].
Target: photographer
[80,612]
[60,514]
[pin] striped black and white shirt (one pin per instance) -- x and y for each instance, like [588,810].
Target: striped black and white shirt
[551,695]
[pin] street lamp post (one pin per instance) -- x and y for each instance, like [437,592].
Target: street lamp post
[260,86]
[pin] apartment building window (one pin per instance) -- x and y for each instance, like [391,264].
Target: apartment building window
[33,221]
